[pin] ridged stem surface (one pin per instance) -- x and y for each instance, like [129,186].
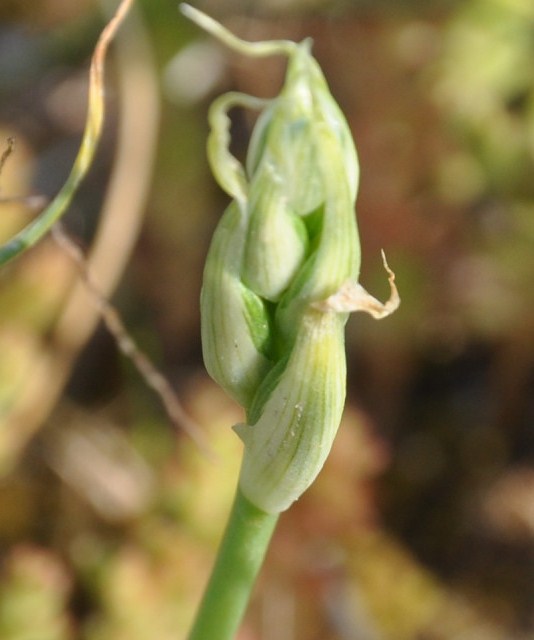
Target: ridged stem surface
[239,559]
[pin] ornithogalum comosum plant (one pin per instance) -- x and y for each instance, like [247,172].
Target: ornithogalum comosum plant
[280,280]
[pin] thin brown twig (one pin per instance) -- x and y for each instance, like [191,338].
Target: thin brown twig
[10,147]
[117,231]
[33,201]
[146,368]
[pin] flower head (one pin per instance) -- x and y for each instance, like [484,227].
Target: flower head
[281,274]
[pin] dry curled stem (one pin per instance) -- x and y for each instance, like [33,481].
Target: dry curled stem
[10,147]
[353,297]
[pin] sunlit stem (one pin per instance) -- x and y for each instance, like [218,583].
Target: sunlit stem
[239,560]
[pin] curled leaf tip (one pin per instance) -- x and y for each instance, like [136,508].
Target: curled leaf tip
[197,16]
[255,49]
[352,297]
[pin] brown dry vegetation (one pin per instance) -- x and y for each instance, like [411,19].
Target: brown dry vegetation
[421,526]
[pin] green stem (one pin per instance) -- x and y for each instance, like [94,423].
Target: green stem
[239,559]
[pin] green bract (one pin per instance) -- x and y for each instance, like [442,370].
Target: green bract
[281,274]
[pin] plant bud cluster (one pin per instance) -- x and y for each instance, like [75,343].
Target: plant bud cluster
[281,274]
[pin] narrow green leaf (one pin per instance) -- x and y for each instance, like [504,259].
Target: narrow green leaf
[38,228]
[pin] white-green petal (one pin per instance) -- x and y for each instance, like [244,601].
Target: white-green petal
[336,258]
[288,445]
[277,240]
[284,134]
[234,323]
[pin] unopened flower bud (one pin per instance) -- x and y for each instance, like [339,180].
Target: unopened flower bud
[290,437]
[277,240]
[235,324]
[281,275]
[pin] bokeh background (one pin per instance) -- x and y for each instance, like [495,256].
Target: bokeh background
[421,526]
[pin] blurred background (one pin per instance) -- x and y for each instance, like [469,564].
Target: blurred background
[421,526]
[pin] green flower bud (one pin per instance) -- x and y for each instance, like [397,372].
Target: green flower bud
[288,444]
[281,275]
[336,256]
[277,240]
[235,324]
[284,134]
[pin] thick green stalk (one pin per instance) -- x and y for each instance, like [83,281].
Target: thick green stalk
[239,559]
